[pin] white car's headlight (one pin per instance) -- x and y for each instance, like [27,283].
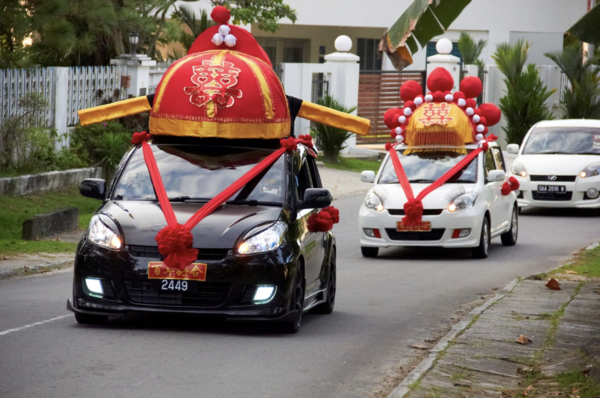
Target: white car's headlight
[519,170]
[269,239]
[102,235]
[372,201]
[591,170]
[463,202]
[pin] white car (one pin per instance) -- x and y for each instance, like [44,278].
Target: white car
[559,164]
[467,211]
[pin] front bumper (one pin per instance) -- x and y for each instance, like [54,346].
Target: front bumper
[442,225]
[575,196]
[227,292]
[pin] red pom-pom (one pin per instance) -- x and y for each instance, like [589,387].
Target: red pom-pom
[483,121]
[514,183]
[289,144]
[410,104]
[390,117]
[388,146]
[439,96]
[505,189]
[413,210]
[409,90]
[471,86]
[323,220]
[174,243]
[491,113]
[477,111]
[485,131]
[440,80]
[471,103]
[393,133]
[139,138]
[220,15]
[458,95]
[335,214]
[305,139]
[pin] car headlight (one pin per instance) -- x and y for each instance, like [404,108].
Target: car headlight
[269,239]
[463,202]
[590,171]
[102,235]
[372,201]
[519,170]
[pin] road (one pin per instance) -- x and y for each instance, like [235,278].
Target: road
[383,306]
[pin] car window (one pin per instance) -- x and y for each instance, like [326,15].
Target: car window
[303,180]
[563,140]
[498,158]
[489,163]
[314,172]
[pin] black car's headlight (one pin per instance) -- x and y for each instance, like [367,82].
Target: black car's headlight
[269,239]
[103,235]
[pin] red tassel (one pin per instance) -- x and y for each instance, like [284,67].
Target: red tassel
[413,210]
[175,244]
[140,138]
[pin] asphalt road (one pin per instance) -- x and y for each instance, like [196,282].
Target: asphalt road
[383,306]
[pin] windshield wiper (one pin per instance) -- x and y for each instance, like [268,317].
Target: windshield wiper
[587,153]
[187,199]
[252,202]
[552,153]
[420,180]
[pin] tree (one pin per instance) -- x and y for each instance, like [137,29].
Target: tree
[582,99]
[471,51]
[186,16]
[524,102]
[332,138]
[15,27]
[266,13]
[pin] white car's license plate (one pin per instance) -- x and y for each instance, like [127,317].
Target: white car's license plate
[552,189]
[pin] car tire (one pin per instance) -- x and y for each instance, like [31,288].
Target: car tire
[327,306]
[510,238]
[369,251]
[296,304]
[87,319]
[482,250]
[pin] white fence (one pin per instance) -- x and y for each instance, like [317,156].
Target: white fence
[15,83]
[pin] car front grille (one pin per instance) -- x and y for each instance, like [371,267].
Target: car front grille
[206,294]
[152,252]
[426,212]
[561,197]
[558,178]
[435,234]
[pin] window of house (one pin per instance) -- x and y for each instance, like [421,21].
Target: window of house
[366,49]
[321,54]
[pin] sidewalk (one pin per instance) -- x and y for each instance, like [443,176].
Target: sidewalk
[481,357]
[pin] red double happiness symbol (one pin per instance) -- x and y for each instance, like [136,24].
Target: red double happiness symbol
[434,113]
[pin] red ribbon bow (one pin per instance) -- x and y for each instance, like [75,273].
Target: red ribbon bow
[140,138]
[511,185]
[175,244]
[413,212]
[323,220]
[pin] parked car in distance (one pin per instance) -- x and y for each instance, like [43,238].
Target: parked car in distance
[558,164]
[467,211]
[257,260]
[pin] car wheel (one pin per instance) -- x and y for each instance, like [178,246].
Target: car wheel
[510,238]
[482,250]
[369,251]
[327,306]
[87,319]
[296,304]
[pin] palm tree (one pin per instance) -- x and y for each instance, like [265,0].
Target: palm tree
[332,138]
[187,16]
[470,50]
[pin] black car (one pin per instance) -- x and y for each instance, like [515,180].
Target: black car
[257,258]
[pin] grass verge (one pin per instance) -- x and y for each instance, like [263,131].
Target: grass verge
[585,263]
[351,164]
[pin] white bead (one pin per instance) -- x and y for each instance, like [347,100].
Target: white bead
[476,118]
[230,40]
[470,111]
[480,128]
[429,98]
[399,138]
[407,111]
[418,101]
[462,102]
[398,130]
[217,39]
[402,119]
[224,30]
[479,137]
[449,97]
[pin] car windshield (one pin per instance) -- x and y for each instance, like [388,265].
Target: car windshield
[198,173]
[563,140]
[427,167]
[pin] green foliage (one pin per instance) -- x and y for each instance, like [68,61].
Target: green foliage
[266,13]
[470,50]
[15,27]
[357,165]
[524,102]
[331,138]
[186,16]
[111,148]
[582,99]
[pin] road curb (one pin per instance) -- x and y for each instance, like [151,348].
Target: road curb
[23,271]
[401,390]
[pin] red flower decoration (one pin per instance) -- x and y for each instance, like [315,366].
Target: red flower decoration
[323,220]
[305,140]
[140,138]
[514,183]
[289,144]
[413,210]
[505,189]
[175,244]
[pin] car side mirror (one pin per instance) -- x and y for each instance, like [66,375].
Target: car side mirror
[367,176]
[316,198]
[94,188]
[496,175]
[512,148]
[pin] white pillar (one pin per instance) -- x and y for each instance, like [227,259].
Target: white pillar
[61,105]
[138,67]
[445,60]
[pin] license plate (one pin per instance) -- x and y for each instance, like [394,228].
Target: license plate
[173,285]
[193,272]
[425,226]
[552,189]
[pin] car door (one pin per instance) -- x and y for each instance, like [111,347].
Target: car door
[504,202]
[493,193]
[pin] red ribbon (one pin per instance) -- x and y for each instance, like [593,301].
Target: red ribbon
[175,240]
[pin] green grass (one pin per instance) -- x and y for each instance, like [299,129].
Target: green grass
[587,263]
[356,165]
[14,210]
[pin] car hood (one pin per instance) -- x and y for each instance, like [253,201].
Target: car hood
[393,196]
[563,165]
[141,221]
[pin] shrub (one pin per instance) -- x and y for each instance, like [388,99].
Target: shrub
[332,138]
[524,102]
[110,150]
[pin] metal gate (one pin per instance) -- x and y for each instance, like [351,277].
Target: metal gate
[379,91]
